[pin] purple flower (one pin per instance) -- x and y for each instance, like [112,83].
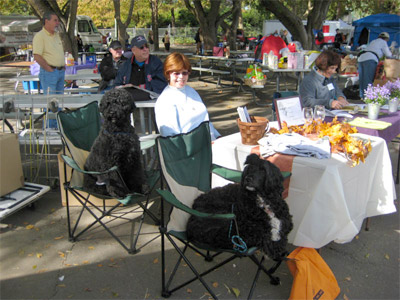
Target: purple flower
[377,94]
[394,88]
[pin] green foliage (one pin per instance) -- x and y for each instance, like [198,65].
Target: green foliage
[18,7]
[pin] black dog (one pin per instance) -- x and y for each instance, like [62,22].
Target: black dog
[262,216]
[116,145]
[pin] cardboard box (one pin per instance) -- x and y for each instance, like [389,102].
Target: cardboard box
[72,201]
[11,173]
[392,68]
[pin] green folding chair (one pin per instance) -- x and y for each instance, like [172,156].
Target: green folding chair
[186,166]
[79,129]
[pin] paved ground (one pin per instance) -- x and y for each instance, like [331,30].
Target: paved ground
[38,262]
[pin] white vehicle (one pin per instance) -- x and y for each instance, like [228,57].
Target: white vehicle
[17,30]
[88,31]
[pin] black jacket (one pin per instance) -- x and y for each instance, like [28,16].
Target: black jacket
[108,71]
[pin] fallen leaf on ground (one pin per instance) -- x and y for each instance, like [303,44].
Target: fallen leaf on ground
[59,237]
[29,227]
[99,265]
[215,284]
[91,248]
[155,261]
[236,292]
[34,267]
[348,278]
[39,255]
[345,297]
[367,255]
[115,294]
[42,271]
[87,290]
[61,285]
[357,237]
[61,254]
[219,92]
[387,256]
[85,262]
[189,291]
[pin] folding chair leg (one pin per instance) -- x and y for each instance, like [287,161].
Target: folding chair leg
[198,276]
[255,279]
[273,280]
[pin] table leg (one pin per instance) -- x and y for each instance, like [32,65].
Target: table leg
[142,120]
[277,82]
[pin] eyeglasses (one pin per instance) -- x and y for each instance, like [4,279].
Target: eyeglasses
[185,73]
[144,46]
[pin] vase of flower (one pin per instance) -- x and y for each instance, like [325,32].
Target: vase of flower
[394,88]
[393,104]
[375,97]
[373,111]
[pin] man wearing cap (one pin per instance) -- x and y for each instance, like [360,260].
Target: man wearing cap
[110,64]
[369,58]
[48,52]
[142,69]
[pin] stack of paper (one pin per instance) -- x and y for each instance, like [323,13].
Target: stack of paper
[243,114]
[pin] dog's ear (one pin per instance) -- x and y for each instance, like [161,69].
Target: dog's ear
[273,177]
[252,159]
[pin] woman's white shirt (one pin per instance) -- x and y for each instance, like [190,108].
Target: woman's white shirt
[180,111]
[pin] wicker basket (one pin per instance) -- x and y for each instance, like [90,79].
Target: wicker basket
[252,132]
[255,82]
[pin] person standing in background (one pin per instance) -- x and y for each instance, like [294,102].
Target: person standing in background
[151,40]
[369,59]
[197,39]
[79,43]
[48,52]
[166,41]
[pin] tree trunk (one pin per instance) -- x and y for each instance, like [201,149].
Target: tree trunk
[123,36]
[154,22]
[209,22]
[301,33]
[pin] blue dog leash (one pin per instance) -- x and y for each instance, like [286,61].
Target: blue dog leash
[238,244]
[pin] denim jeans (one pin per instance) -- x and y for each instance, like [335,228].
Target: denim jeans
[366,72]
[54,83]
[53,80]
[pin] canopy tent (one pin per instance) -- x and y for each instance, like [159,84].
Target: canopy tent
[370,27]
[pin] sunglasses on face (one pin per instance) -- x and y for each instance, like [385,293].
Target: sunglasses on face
[144,46]
[185,73]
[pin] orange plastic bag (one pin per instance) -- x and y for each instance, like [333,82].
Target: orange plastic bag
[313,279]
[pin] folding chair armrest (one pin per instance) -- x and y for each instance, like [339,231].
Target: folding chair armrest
[169,197]
[148,141]
[229,174]
[70,162]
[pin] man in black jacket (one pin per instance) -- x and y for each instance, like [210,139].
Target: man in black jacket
[110,64]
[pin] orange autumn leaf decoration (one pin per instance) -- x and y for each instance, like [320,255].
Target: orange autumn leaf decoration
[340,138]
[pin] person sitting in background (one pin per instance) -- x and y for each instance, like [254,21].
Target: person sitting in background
[110,64]
[369,58]
[319,88]
[179,108]
[142,70]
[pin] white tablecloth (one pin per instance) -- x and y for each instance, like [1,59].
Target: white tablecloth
[328,199]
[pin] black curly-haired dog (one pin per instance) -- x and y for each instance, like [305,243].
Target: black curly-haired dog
[116,145]
[262,216]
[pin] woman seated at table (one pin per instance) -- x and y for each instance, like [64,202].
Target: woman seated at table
[179,108]
[319,88]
